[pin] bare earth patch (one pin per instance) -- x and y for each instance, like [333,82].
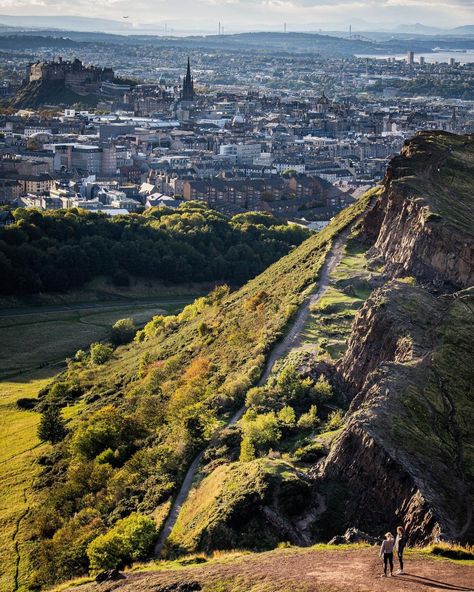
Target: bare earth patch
[295,570]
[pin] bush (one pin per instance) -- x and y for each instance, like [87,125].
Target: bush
[81,356]
[123,331]
[310,453]
[26,403]
[335,420]
[101,353]
[108,428]
[452,551]
[63,392]
[51,426]
[260,432]
[287,418]
[309,420]
[130,539]
[323,389]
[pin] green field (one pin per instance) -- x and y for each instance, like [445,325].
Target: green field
[34,343]
[39,336]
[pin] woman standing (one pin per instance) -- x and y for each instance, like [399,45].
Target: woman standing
[400,543]
[386,552]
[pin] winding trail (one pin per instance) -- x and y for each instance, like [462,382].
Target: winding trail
[333,258]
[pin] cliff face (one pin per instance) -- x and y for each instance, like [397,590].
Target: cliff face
[406,453]
[423,223]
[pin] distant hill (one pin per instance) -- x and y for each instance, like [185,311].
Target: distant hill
[72,23]
[464,30]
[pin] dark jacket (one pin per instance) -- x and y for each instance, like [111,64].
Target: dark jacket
[400,543]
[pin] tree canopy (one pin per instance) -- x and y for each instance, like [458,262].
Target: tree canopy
[58,250]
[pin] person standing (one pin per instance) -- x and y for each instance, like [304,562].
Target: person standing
[400,543]
[386,552]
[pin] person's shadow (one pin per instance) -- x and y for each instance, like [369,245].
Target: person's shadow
[436,584]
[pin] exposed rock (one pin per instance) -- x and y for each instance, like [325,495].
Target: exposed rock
[422,224]
[179,587]
[354,535]
[111,575]
[406,453]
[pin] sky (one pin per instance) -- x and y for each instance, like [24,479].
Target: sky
[257,14]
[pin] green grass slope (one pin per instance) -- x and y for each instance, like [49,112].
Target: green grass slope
[149,409]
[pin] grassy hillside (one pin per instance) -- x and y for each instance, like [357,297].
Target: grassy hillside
[159,400]
[34,344]
[18,452]
[439,171]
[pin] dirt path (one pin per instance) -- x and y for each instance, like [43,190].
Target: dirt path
[308,570]
[333,257]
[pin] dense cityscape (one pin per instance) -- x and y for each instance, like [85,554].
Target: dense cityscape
[295,134]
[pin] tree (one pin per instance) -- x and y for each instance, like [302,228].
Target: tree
[323,389]
[335,420]
[51,427]
[131,538]
[101,353]
[123,331]
[247,450]
[261,431]
[309,420]
[287,417]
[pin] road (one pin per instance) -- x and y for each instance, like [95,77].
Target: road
[281,349]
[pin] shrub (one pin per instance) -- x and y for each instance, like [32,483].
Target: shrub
[63,392]
[287,418]
[247,450]
[335,420]
[310,453]
[26,403]
[123,331]
[309,420]
[51,426]
[452,551]
[256,398]
[261,431]
[101,353]
[131,538]
[64,556]
[81,356]
[292,388]
[108,428]
[323,389]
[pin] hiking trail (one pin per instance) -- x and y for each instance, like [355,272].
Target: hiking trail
[333,258]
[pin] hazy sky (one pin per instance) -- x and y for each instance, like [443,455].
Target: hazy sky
[251,14]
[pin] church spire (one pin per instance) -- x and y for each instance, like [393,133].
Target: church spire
[188,72]
[188,85]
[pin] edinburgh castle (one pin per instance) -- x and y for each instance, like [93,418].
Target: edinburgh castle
[81,79]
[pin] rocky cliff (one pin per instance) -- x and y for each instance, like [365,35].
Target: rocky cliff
[423,223]
[406,453]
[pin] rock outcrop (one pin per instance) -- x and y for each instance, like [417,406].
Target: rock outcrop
[423,223]
[406,453]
